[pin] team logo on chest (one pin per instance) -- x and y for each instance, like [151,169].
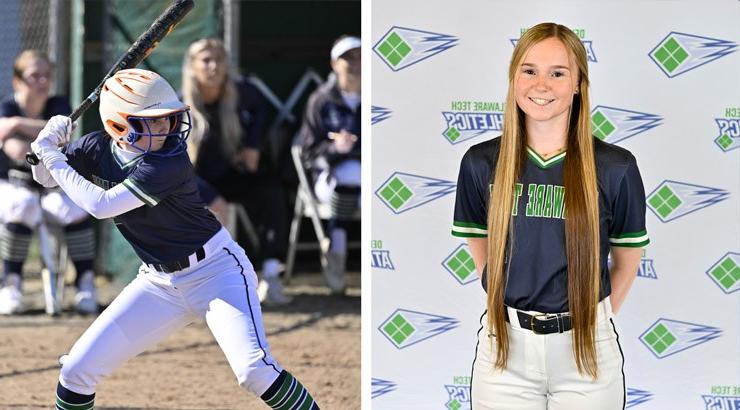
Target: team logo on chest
[404,328]
[402,47]
[678,53]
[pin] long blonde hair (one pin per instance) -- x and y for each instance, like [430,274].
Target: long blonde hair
[581,199]
[228,117]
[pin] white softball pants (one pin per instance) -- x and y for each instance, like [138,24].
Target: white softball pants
[346,173]
[23,206]
[220,288]
[541,372]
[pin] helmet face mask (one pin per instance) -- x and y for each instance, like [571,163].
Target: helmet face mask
[132,101]
[144,137]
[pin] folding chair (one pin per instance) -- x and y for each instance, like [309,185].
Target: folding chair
[239,215]
[307,206]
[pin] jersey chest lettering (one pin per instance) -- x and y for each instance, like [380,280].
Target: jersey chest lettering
[542,200]
[103,183]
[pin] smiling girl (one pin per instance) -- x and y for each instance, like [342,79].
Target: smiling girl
[542,207]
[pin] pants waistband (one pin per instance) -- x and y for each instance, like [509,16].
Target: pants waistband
[544,323]
[216,242]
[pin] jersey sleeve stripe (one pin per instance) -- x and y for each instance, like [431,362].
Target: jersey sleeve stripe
[147,199]
[469,225]
[632,244]
[630,235]
[469,232]
[636,242]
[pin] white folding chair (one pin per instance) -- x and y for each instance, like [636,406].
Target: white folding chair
[307,206]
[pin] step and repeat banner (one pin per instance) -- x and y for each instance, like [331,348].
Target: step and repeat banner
[665,85]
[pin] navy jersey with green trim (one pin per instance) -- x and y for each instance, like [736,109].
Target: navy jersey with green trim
[538,272]
[174,222]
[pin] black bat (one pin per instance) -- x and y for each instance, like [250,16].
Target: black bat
[135,55]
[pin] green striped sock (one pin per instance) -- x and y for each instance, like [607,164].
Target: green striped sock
[68,400]
[287,393]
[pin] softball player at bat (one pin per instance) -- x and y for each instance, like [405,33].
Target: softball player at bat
[137,172]
[542,207]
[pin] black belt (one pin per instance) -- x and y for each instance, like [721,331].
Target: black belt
[182,263]
[543,323]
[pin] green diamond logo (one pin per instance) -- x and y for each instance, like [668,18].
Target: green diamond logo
[393,49]
[454,405]
[460,265]
[670,54]
[659,338]
[452,134]
[664,201]
[602,127]
[726,272]
[402,192]
[724,141]
[398,329]
[667,337]
[395,193]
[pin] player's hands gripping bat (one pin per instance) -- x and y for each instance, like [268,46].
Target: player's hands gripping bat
[135,54]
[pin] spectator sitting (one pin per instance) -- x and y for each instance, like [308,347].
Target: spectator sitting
[331,144]
[22,116]
[224,146]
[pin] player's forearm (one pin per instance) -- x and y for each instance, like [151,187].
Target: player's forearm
[621,279]
[94,200]
[42,176]
[625,261]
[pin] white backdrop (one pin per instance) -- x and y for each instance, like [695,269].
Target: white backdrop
[665,86]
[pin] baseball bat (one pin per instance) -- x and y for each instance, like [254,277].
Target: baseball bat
[135,55]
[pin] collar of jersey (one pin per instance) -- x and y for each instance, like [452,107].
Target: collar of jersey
[544,163]
[124,159]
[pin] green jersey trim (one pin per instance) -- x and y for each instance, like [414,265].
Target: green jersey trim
[630,239]
[139,193]
[469,230]
[544,163]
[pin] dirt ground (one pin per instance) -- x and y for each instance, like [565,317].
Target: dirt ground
[317,338]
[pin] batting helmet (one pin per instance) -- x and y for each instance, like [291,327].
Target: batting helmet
[136,94]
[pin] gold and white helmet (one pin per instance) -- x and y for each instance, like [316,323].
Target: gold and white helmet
[136,94]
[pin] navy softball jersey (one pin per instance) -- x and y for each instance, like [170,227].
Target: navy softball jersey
[538,273]
[174,223]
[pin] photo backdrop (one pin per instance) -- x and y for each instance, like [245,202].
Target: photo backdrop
[664,85]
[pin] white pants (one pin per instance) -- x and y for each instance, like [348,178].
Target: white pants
[346,173]
[23,206]
[541,372]
[220,288]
